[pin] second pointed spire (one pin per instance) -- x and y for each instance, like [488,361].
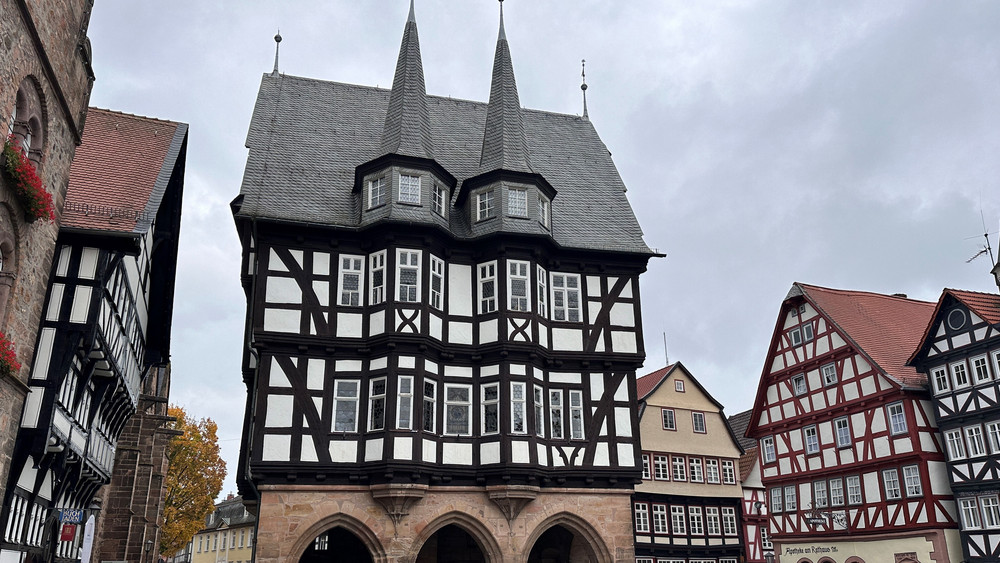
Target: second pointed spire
[504,145]
[407,128]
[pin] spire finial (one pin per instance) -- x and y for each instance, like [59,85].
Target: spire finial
[412,17]
[277,43]
[503,34]
[583,73]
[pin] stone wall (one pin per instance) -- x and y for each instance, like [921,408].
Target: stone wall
[292,516]
[59,74]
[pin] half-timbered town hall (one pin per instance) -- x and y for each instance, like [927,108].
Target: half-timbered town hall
[443,325]
[960,355]
[849,451]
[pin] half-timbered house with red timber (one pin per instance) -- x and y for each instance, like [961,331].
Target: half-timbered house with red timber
[756,533]
[442,332]
[687,508]
[960,355]
[105,331]
[849,451]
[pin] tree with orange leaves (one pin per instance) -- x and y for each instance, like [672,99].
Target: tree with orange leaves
[194,479]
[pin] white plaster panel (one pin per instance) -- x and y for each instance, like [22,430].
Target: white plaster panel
[436,327]
[315,373]
[308,450]
[456,454]
[460,333]
[902,445]
[557,460]
[431,367]
[813,378]
[847,372]
[772,394]
[355,365]
[55,302]
[487,371]
[407,362]
[878,421]
[795,440]
[927,442]
[539,374]
[881,446]
[621,394]
[543,335]
[457,371]
[40,370]
[937,471]
[814,463]
[321,263]
[868,385]
[62,267]
[297,255]
[517,369]
[429,451]
[850,391]
[373,449]
[837,340]
[282,290]
[81,304]
[376,323]
[599,341]
[872,491]
[825,432]
[819,401]
[829,457]
[822,346]
[627,290]
[626,455]
[846,456]
[980,336]
[277,378]
[460,289]
[594,286]
[596,386]
[349,325]
[623,342]
[274,263]
[960,340]
[275,448]
[788,409]
[343,451]
[568,339]
[281,320]
[543,453]
[775,413]
[593,309]
[322,291]
[770,471]
[784,465]
[778,363]
[32,407]
[565,377]
[279,411]
[520,452]
[623,422]
[489,453]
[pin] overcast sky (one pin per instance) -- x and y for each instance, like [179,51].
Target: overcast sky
[846,144]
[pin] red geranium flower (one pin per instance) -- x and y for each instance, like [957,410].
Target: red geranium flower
[37,202]
[9,365]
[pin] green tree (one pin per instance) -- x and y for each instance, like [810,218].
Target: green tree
[194,479]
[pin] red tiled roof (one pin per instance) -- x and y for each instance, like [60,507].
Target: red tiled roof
[116,170]
[746,462]
[986,305]
[885,328]
[647,383]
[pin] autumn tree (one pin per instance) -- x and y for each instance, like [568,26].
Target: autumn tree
[194,479]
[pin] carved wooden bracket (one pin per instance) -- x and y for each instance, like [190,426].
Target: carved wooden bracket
[397,498]
[511,498]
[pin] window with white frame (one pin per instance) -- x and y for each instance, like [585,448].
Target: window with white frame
[940,378]
[807,331]
[485,207]
[647,474]
[641,510]
[811,439]
[409,189]
[350,281]
[517,202]
[911,480]
[767,449]
[970,514]
[981,369]
[959,374]
[697,476]
[376,192]
[796,336]
[974,437]
[518,398]
[539,403]
[404,403]
[679,386]
[576,414]
[729,521]
[993,433]
[712,471]
[659,519]
[698,422]
[490,403]
[437,283]
[661,467]
[728,472]
[956,445]
[991,511]
[566,297]
[897,418]
[408,275]
[842,430]
[890,478]
[836,492]
[712,521]
[829,374]
[517,286]
[457,409]
[776,499]
[555,414]
[799,384]
[996,363]
[543,211]
[376,269]
[429,406]
[543,310]
[376,404]
[765,539]
[854,495]
[667,416]
[677,520]
[345,405]
[438,199]
[791,498]
[819,494]
[695,522]
[644,559]
[679,469]
[487,287]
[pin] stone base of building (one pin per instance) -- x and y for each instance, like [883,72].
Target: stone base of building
[917,546]
[412,523]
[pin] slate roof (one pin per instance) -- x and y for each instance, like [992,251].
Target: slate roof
[739,423]
[503,141]
[885,328]
[307,136]
[120,171]
[228,513]
[407,128]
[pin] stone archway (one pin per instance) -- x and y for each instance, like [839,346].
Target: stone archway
[335,545]
[340,528]
[457,530]
[566,537]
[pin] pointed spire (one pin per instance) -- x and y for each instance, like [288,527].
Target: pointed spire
[583,87]
[504,144]
[407,122]
[277,43]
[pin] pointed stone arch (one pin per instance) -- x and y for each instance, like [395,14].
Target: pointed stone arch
[479,532]
[349,523]
[29,121]
[579,527]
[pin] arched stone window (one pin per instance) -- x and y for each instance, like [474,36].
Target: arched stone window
[28,121]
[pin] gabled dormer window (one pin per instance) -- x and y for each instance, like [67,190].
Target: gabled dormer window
[409,189]
[376,192]
[485,207]
[438,197]
[543,211]
[517,202]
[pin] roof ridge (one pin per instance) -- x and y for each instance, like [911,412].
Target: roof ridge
[899,297]
[133,115]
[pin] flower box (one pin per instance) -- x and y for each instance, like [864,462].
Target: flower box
[35,200]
